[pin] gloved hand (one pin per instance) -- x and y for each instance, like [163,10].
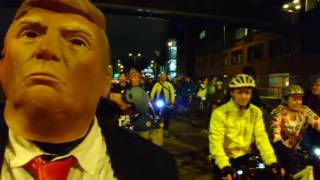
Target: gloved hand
[277,170]
[171,106]
[227,171]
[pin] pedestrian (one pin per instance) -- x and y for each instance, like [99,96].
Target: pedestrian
[54,74]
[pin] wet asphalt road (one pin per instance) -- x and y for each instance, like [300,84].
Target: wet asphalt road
[188,142]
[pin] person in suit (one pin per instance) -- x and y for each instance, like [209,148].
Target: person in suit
[55,124]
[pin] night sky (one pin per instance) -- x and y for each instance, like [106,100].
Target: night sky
[134,34]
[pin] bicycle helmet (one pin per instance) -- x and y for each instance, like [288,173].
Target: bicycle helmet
[139,98]
[133,71]
[316,80]
[242,80]
[292,90]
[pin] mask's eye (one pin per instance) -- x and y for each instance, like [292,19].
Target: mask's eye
[78,42]
[30,34]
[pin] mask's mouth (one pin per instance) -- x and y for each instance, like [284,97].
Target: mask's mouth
[42,79]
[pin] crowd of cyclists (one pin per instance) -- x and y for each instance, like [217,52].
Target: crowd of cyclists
[239,144]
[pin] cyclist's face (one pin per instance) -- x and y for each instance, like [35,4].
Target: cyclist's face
[316,89]
[122,78]
[295,102]
[219,86]
[163,77]
[135,79]
[242,96]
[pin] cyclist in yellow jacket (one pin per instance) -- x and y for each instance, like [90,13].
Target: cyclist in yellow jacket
[164,91]
[234,126]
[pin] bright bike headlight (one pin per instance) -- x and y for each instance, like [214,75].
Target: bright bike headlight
[316,151]
[261,166]
[239,172]
[160,103]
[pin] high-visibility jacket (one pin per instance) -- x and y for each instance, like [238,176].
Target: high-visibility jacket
[232,131]
[202,91]
[167,89]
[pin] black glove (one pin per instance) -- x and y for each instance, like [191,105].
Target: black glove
[275,167]
[281,149]
[276,170]
[227,170]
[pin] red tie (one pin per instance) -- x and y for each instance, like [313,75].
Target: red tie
[54,170]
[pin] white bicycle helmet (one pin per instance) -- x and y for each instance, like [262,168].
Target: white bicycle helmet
[293,90]
[242,80]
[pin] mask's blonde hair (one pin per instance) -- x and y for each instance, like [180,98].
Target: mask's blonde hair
[84,8]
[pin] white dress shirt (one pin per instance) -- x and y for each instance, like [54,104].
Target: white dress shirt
[93,161]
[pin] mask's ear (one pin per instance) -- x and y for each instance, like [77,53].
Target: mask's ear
[2,55]
[108,84]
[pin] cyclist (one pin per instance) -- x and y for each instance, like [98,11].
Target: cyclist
[290,119]
[202,94]
[234,126]
[311,99]
[219,96]
[163,90]
[143,119]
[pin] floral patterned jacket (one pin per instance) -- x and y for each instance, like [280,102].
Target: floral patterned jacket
[288,126]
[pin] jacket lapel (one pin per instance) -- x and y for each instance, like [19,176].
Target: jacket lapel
[3,135]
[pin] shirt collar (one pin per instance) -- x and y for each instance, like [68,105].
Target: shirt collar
[90,153]
[234,107]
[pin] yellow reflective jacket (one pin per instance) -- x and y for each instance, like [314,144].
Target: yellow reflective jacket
[233,130]
[168,91]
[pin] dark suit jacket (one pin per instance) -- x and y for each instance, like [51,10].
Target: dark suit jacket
[131,156]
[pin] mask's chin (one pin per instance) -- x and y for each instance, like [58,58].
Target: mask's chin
[40,114]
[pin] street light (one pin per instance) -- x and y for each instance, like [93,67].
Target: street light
[134,56]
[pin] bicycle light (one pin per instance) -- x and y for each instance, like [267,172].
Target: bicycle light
[261,166]
[316,151]
[239,172]
[160,103]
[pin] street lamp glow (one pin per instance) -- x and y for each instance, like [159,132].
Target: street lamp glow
[119,64]
[296,1]
[121,67]
[119,60]
[130,54]
[170,44]
[297,7]
[139,54]
[152,61]
[286,6]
